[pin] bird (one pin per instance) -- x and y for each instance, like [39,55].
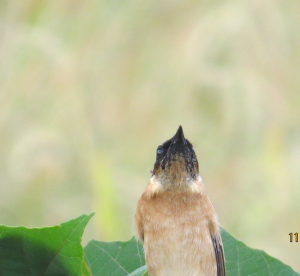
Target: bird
[174,218]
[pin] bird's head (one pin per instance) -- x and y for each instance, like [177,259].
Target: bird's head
[176,165]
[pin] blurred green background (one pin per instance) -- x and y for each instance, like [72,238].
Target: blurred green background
[89,89]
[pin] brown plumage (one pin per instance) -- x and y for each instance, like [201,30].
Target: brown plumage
[175,219]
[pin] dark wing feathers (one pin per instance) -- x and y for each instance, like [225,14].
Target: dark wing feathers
[219,253]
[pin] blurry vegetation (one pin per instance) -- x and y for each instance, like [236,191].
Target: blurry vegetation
[88,89]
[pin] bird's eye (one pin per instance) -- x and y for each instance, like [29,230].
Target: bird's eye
[159,151]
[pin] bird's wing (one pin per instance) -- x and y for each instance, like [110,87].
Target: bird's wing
[219,253]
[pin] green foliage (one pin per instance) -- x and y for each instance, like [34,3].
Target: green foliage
[49,251]
[57,251]
[115,258]
[242,260]
[140,271]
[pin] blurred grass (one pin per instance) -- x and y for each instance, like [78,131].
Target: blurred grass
[90,88]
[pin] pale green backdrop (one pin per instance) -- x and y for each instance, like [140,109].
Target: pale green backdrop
[88,89]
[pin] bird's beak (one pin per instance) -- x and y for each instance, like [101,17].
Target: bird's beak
[178,138]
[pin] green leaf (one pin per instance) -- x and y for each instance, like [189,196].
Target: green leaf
[242,260]
[140,271]
[114,258]
[49,251]
[126,258]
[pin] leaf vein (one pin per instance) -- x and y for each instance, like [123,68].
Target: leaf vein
[112,258]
